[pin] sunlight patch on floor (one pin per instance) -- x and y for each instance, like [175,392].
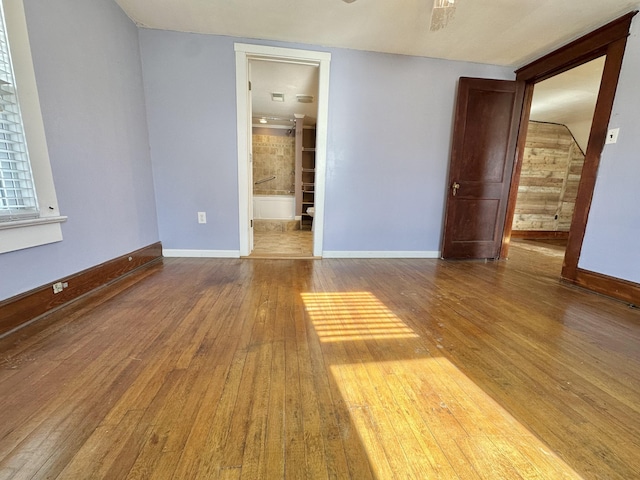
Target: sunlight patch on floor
[353,316]
[548,250]
[417,415]
[426,416]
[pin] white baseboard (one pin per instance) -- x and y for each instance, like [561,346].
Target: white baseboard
[169,252]
[382,254]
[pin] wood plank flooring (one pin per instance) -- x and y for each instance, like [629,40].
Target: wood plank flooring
[335,368]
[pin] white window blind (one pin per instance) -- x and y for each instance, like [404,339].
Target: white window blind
[17,193]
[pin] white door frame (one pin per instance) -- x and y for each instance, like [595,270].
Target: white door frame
[245,53]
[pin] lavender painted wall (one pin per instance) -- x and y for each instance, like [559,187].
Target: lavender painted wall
[88,72]
[390,123]
[190,89]
[388,145]
[612,240]
[390,120]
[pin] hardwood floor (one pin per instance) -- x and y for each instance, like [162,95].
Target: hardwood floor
[227,368]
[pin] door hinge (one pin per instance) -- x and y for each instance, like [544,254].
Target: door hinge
[249,86]
[251,223]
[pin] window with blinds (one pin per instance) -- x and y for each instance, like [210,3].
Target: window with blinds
[17,193]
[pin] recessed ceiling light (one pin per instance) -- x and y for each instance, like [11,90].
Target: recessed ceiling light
[263,120]
[277,97]
[305,98]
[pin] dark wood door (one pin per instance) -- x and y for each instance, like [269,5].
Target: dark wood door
[482,157]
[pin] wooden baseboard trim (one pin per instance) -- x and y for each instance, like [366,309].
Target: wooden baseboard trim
[538,234]
[21,309]
[624,290]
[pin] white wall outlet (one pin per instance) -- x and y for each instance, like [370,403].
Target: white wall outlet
[612,135]
[57,287]
[202,217]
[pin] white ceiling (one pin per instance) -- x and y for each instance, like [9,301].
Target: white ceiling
[500,32]
[577,86]
[286,78]
[569,99]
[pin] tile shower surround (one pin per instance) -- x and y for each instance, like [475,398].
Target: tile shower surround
[273,154]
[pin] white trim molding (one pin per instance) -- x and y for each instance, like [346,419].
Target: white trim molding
[16,235]
[31,222]
[380,254]
[184,253]
[244,54]
[30,233]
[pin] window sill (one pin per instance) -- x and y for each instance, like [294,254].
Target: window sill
[21,234]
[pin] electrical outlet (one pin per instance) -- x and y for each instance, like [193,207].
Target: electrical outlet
[202,217]
[59,286]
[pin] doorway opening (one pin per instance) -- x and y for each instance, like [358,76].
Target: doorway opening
[557,136]
[284,114]
[608,42]
[250,58]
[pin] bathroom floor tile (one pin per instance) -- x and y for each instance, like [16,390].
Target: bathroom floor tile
[297,243]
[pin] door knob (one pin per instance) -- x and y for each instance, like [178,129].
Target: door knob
[455,188]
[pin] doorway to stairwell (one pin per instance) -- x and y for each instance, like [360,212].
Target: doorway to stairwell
[557,136]
[488,145]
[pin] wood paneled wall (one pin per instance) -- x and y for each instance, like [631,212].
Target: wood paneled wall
[549,179]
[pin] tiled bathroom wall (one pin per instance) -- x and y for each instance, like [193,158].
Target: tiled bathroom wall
[273,155]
